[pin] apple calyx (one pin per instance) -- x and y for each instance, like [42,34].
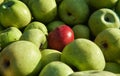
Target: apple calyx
[109,18]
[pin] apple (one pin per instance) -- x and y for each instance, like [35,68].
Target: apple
[37,25]
[56,68]
[52,25]
[60,37]
[71,11]
[43,10]
[14,13]
[20,58]
[112,67]
[36,36]
[9,35]
[83,54]
[109,42]
[92,73]
[49,55]
[102,19]
[102,3]
[81,31]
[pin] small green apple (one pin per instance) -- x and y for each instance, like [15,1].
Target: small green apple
[98,4]
[71,11]
[112,67]
[102,19]
[109,42]
[9,35]
[36,36]
[20,58]
[37,25]
[56,68]
[43,10]
[49,55]
[52,25]
[81,31]
[14,13]
[93,73]
[84,55]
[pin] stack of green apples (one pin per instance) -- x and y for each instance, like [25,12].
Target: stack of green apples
[59,37]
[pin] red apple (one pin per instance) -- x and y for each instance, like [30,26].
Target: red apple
[60,37]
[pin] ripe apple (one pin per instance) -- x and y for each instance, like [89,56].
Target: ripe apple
[60,37]
[43,10]
[49,55]
[81,31]
[109,42]
[92,73]
[36,36]
[52,25]
[9,35]
[83,54]
[20,58]
[14,13]
[102,19]
[112,67]
[98,4]
[37,25]
[71,11]
[56,68]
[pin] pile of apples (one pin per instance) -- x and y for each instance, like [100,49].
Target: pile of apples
[59,37]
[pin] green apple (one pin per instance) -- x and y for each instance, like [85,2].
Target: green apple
[14,13]
[81,31]
[112,67]
[84,55]
[36,36]
[56,68]
[102,19]
[49,55]
[71,11]
[20,58]
[117,8]
[43,10]
[52,25]
[109,42]
[37,25]
[92,73]
[9,35]
[98,4]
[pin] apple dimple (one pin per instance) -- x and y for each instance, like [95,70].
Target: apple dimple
[105,45]
[6,63]
[8,4]
[109,18]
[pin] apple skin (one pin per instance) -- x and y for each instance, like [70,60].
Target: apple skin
[81,31]
[52,25]
[1,1]
[112,67]
[56,68]
[73,14]
[20,58]
[9,35]
[14,13]
[36,36]
[60,37]
[83,54]
[102,3]
[102,19]
[43,10]
[109,42]
[49,55]
[93,73]
[37,25]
